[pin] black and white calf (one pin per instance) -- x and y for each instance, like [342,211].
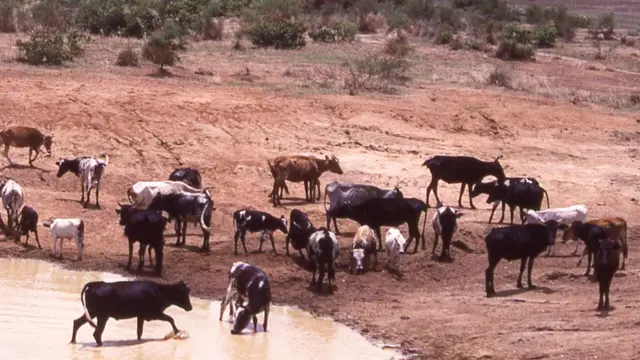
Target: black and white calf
[250,282]
[300,228]
[184,208]
[323,250]
[525,193]
[27,222]
[445,224]
[144,226]
[253,221]
[524,242]
[89,170]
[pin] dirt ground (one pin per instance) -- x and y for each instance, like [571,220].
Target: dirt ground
[581,153]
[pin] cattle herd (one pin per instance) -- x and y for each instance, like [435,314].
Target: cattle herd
[184,199]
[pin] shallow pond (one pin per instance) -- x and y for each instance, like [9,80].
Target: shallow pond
[39,301]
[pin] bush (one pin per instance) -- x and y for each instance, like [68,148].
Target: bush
[534,14]
[213,29]
[456,43]
[473,44]
[545,36]
[337,31]
[607,23]
[163,46]
[399,45]
[53,13]
[444,35]
[514,31]
[187,13]
[50,46]
[500,77]
[450,17]
[512,50]
[419,9]
[127,57]
[7,9]
[279,34]
[119,17]
[376,73]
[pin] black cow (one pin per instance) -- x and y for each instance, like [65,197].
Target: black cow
[27,222]
[590,234]
[145,300]
[323,249]
[300,228]
[377,212]
[342,196]
[253,221]
[606,264]
[189,176]
[524,242]
[460,169]
[146,227]
[250,282]
[184,208]
[524,193]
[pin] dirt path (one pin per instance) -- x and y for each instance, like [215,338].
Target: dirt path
[148,126]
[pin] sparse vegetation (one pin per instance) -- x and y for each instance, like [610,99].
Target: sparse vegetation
[48,46]
[399,45]
[127,57]
[515,43]
[337,31]
[500,76]
[278,34]
[545,35]
[163,46]
[375,72]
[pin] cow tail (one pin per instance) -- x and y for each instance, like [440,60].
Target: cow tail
[86,312]
[424,225]
[325,199]
[545,192]
[625,248]
[130,194]
[209,203]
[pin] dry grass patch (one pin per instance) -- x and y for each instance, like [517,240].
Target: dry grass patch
[127,57]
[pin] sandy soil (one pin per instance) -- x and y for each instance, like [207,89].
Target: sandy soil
[582,154]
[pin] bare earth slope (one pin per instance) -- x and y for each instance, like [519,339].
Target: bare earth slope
[581,154]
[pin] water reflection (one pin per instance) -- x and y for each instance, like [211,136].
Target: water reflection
[40,301]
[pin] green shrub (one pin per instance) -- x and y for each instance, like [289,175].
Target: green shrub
[512,50]
[53,13]
[278,34]
[444,35]
[50,46]
[376,72]
[545,35]
[473,44]
[534,14]
[337,31]
[276,10]
[514,31]
[163,45]
[127,57]
[135,18]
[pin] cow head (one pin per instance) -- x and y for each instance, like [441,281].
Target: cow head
[48,141]
[357,260]
[495,168]
[181,296]
[242,320]
[333,164]
[124,212]
[282,224]
[65,165]
[484,188]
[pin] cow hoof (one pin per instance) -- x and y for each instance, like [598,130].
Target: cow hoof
[531,286]
[491,294]
[233,332]
[519,286]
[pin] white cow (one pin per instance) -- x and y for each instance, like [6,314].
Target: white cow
[12,201]
[565,215]
[142,192]
[395,243]
[67,229]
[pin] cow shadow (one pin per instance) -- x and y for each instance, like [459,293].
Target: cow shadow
[324,290]
[565,256]
[302,263]
[436,257]
[147,270]
[119,343]
[604,313]
[295,201]
[516,291]
[23,167]
[90,206]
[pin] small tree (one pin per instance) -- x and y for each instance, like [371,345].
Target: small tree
[164,44]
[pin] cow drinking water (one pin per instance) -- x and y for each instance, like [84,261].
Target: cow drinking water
[145,300]
[247,281]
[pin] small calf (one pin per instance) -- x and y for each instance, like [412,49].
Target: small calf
[248,281]
[365,243]
[396,243]
[89,170]
[27,222]
[445,224]
[253,221]
[606,264]
[323,250]
[67,229]
[300,228]
[524,242]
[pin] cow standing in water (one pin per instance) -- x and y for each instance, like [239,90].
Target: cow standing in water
[145,300]
[248,281]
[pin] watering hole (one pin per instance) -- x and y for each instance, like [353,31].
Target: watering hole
[39,301]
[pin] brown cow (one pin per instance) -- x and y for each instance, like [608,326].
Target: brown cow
[616,228]
[25,136]
[297,168]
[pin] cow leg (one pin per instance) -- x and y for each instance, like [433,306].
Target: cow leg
[98,196]
[141,256]
[255,323]
[469,193]
[585,252]
[529,270]
[88,195]
[169,319]
[184,231]
[261,239]
[588,264]
[379,235]
[140,326]
[433,186]
[150,259]
[287,239]
[523,262]
[159,249]
[575,252]
[97,334]
[273,244]
[81,189]
[331,276]
[317,182]
[130,254]
[301,255]
[607,286]
[77,323]
[493,210]
[34,158]
[266,317]
[178,231]
[6,153]
[306,190]
[313,265]
[489,286]
[435,243]
[320,277]
[512,210]
[236,236]
[37,240]
[242,236]
[601,294]
[335,225]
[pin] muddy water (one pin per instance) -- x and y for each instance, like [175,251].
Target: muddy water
[39,300]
